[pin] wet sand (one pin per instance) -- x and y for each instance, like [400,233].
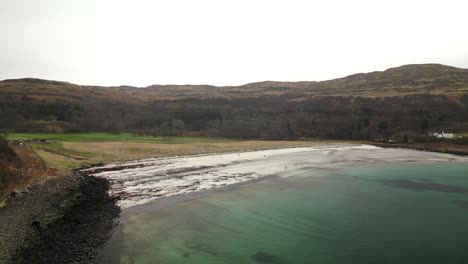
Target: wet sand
[323,165]
[138,182]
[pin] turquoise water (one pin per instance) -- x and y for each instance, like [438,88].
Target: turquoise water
[378,214]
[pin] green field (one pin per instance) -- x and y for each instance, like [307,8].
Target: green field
[108,137]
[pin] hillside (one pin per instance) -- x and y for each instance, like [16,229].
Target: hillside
[7,156]
[410,98]
[400,81]
[9,165]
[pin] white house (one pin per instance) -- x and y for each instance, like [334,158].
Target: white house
[444,134]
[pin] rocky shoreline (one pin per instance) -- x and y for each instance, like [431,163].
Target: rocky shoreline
[62,220]
[67,219]
[423,148]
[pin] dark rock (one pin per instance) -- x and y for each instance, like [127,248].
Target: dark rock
[461,203]
[36,225]
[264,257]
[84,225]
[422,186]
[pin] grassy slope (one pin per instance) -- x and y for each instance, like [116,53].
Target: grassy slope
[68,151]
[107,137]
[60,158]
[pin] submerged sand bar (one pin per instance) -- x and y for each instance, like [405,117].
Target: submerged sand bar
[140,181]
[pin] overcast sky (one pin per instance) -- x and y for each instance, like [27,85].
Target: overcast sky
[113,42]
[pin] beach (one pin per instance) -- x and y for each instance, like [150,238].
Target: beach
[297,205]
[140,181]
[189,188]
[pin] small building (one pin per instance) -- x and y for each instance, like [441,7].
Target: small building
[51,118]
[443,134]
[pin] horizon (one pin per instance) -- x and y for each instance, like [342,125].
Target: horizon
[206,84]
[112,43]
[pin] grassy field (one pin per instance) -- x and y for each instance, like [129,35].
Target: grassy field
[68,151]
[72,150]
[107,137]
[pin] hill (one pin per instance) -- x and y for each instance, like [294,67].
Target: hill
[400,81]
[413,98]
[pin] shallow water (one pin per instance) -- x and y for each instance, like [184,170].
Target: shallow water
[400,213]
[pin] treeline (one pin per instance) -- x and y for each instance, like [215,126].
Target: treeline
[265,117]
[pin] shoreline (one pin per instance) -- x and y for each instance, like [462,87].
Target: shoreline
[105,255]
[166,201]
[396,156]
[141,181]
[56,207]
[62,220]
[36,215]
[423,148]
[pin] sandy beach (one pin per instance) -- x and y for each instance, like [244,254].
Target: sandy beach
[140,181]
[172,205]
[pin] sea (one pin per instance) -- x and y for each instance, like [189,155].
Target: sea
[373,213]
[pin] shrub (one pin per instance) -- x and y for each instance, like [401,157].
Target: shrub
[461,141]
[7,155]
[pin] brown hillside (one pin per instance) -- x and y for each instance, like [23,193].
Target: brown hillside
[404,80]
[9,165]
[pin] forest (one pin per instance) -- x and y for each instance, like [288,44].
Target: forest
[402,103]
[279,117]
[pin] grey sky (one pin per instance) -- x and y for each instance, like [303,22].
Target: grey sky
[113,42]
